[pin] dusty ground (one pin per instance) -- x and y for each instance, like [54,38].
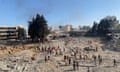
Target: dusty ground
[29,59]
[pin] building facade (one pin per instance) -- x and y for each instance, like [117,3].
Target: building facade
[8,33]
[66,28]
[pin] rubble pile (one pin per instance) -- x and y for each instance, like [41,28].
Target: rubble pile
[69,55]
[113,45]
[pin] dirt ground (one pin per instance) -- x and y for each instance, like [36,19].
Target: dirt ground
[29,58]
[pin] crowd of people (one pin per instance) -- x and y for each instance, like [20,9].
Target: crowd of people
[72,55]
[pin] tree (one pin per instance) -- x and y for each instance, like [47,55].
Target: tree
[106,25]
[60,27]
[95,28]
[38,28]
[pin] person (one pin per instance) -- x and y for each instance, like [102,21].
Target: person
[69,60]
[99,57]
[88,70]
[50,51]
[45,59]
[96,49]
[63,49]
[65,57]
[80,57]
[48,57]
[42,49]
[74,66]
[114,62]
[61,53]
[94,57]
[77,65]
[56,53]
[66,62]
[100,61]
[45,49]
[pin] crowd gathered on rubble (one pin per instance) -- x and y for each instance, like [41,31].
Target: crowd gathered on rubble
[70,53]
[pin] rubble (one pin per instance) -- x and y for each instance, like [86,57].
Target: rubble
[33,59]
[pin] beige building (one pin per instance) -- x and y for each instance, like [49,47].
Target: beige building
[68,28]
[7,33]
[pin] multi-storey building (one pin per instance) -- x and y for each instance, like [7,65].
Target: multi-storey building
[7,33]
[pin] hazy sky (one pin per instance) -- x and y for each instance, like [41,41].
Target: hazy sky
[57,12]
